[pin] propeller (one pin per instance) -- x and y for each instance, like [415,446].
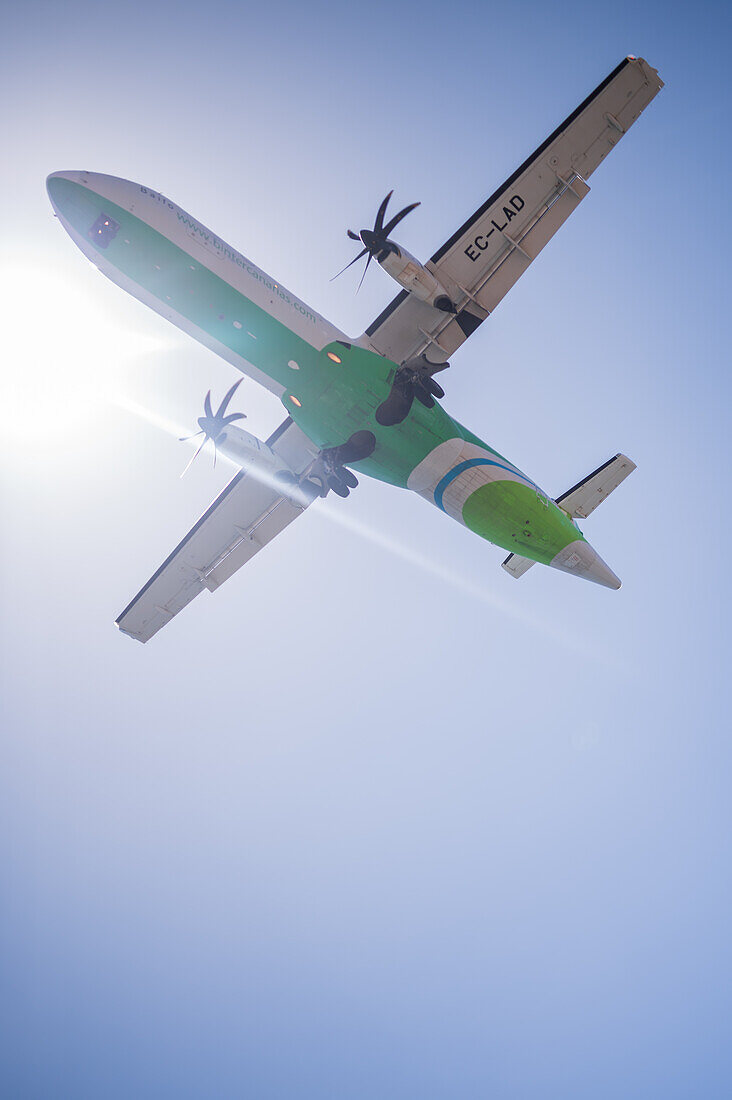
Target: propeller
[376,241]
[329,470]
[212,424]
[413,379]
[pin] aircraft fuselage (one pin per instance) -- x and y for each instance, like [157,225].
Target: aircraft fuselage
[330,385]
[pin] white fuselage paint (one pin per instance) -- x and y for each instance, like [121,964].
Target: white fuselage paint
[426,477]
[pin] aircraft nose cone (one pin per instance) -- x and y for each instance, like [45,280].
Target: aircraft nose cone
[57,185]
[52,181]
[582,560]
[73,202]
[52,185]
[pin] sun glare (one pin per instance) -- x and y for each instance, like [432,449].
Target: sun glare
[62,361]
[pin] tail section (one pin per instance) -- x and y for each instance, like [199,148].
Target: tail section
[578,502]
[583,561]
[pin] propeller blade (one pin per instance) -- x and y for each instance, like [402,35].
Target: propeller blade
[365,270]
[398,217]
[207,404]
[192,460]
[378,224]
[395,409]
[352,235]
[350,478]
[227,398]
[337,485]
[185,438]
[232,417]
[361,253]
[360,445]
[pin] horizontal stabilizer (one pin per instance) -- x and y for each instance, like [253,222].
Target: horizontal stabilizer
[579,502]
[516,565]
[584,497]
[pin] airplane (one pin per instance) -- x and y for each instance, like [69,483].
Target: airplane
[371,404]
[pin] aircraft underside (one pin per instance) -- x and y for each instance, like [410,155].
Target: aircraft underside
[371,405]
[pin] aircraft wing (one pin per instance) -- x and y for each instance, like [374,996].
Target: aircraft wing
[245,516]
[482,260]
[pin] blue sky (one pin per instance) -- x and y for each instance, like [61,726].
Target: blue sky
[375,820]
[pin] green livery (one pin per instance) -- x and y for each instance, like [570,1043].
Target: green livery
[370,404]
[336,389]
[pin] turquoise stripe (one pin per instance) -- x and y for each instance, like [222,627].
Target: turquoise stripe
[462,467]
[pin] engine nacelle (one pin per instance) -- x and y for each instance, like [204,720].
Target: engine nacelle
[414,277]
[248,451]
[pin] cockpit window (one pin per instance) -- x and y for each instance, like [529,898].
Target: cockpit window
[104,230]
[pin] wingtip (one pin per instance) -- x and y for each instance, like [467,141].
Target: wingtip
[128,633]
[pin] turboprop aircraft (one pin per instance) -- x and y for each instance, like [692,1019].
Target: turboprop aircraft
[369,404]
